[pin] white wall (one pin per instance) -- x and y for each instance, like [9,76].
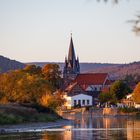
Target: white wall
[81,97]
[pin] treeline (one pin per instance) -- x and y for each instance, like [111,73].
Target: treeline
[6,64]
[118,91]
[33,85]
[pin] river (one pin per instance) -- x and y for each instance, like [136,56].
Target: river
[87,126]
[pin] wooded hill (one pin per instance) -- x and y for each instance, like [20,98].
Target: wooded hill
[7,64]
[116,71]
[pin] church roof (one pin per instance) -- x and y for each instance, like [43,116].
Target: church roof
[91,78]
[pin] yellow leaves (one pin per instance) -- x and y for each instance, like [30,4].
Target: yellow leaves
[136,93]
[51,101]
[45,100]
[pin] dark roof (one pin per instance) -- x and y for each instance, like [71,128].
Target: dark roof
[71,55]
[75,89]
[91,78]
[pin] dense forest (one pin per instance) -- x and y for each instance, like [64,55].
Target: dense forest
[33,85]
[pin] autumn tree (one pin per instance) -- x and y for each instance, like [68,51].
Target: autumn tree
[136,93]
[32,69]
[120,89]
[52,101]
[52,73]
[31,85]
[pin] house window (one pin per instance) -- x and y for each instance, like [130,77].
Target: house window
[83,102]
[87,102]
[95,89]
[74,102]
[79,102]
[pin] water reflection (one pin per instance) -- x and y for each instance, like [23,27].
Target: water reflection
[88,120]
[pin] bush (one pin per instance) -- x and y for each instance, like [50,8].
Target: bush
[128,109]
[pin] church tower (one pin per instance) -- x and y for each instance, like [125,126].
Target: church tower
[72,66]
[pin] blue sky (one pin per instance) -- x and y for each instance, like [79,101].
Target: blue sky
[39,30]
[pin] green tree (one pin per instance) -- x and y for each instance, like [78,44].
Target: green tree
[136,93]
[120,89]
[107,97]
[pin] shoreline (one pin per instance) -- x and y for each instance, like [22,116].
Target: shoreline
[32,127]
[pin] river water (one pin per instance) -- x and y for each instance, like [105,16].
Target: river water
[87,127]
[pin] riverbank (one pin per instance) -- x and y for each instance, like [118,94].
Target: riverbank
[18,114]
[32,127]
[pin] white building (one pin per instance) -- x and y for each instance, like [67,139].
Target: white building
[79,99]
[75,96]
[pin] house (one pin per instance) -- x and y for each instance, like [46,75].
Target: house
[129,102]
[93,82]
[76,96]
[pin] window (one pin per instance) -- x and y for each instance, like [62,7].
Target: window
[87,102]
[83,102]
[95,89]
[79,102]
[74,102]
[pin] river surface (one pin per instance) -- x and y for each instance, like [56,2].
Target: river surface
[87,126]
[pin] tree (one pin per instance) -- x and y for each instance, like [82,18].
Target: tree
[31,85]
[107,97]
[136,93]
[120,89]
[32,69]
[52,101]
[52,73]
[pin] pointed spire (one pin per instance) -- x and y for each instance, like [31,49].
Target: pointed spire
[71,54]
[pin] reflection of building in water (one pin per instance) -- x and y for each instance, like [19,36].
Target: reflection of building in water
[133,133]
[67,134]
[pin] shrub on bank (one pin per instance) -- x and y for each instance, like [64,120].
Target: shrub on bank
[128,110]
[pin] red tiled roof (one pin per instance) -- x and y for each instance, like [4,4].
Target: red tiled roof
[91,78]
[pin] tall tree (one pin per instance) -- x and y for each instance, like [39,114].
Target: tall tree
[120,89]
[52,73]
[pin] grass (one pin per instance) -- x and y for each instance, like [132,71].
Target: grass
[18,114]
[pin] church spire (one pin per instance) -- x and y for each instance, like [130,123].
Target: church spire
[71,54]
[72,67]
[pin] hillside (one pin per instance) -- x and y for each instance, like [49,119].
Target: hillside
[117,71]
[7,64]
[121,71]
[85,67]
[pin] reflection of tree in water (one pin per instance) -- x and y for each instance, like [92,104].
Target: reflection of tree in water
[52,136]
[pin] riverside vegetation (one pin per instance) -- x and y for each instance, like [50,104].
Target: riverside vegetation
[30,95]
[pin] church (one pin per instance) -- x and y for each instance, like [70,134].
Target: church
[72,66]
[81,89]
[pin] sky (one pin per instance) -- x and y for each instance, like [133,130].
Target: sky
[39,30]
